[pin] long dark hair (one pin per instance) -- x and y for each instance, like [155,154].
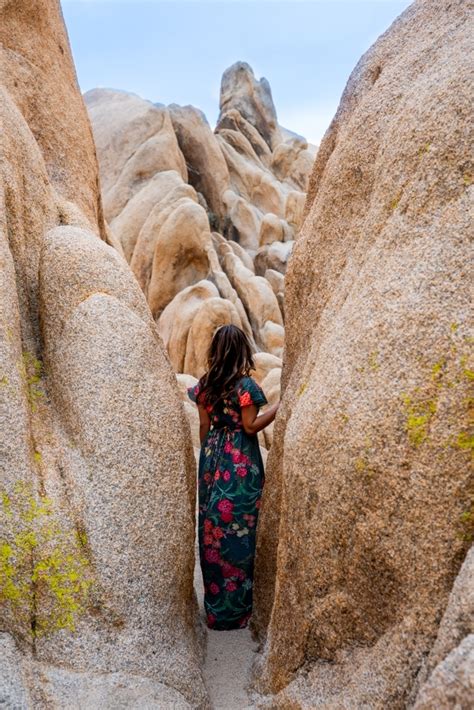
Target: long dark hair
[229,358]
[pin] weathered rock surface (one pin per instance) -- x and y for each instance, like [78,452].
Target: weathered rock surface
[447,679]
[368,481]
[96,592]
[192,207]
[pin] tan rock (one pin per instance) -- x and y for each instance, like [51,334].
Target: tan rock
[213,313]
[208,172]
[447,678]
[273,256]
[259,301]
[271,229]
[276,281]
[245,219]
[294,209]
[37,72]
[188,323]
[192,414]
[292,162]
[264,363]
[271,387]
[272,335]
[226,244]
[234,121]
[135,140]
[253,99]
[180,253]
[368,484]
[163,188]
[451,685]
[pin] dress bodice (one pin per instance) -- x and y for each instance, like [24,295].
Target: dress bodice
[227,413]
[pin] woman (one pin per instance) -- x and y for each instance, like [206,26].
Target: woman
[231,476]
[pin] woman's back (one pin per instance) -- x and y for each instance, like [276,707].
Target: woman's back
[226,412]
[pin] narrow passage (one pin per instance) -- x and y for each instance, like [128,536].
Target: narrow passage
[228,661]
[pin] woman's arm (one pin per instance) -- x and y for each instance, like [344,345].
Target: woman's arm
[204,422]
[254,422]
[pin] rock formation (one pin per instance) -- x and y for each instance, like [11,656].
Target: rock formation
[206,219]
[96,599]
[369,489]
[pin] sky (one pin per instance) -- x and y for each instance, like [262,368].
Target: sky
[175,51]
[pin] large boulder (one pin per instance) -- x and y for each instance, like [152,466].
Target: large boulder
[252,98]
[207,169]
[96,463]
[135,139]
[368,485]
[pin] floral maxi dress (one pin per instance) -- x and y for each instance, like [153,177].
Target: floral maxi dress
[231,478]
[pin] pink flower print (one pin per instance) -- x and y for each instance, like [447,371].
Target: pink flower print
[230,586]
[242,471]
[208,539]
[211,620]
[240,574]
[207,477]
[227,447]
[213,588]
[226,475]
[216,543]
[245,399]
[218,533]
[239,457]
[226,517]
[211,555]
[244,621]
[258,503]
[229,570]
[217,475]
[207,525]
[225,506]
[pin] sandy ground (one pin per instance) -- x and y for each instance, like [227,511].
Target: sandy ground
[229,657]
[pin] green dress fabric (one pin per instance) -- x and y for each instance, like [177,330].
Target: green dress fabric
[231,478]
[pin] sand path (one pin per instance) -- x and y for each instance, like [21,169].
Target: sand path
[229,657]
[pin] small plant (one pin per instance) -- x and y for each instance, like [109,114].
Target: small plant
[45,576]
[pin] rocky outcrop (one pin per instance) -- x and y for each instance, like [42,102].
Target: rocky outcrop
[204,217]
[368,487]
[96,465]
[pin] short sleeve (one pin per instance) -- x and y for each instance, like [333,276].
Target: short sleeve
[249,392]
[193,392]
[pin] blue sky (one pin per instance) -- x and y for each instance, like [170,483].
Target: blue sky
[175,51]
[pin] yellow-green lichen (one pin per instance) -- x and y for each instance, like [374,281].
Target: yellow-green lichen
[419,412]
[424,149]
[301,389]
[465,441]
[3,381]
[396,200]
[30,369]
[373,360]
[45,577]
[466,521]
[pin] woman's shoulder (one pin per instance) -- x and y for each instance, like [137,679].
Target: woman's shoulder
[249,391]
[194,391]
